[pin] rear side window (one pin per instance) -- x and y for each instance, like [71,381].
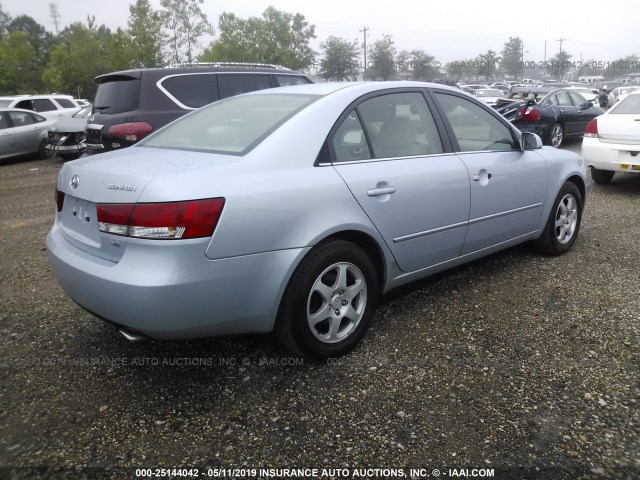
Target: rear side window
[400,125]
[288,80]
[474,128]
[117,95]
[65,103]
[237,84]
[43,105]
[233,126]
[3,121]
[193,91]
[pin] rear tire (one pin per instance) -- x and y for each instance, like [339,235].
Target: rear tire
[603,177]
[329,301]
[556,135]
[563,224]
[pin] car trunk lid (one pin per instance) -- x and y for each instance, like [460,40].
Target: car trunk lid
[619,128]
[117,178]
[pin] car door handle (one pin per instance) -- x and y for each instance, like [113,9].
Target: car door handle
[562,110]
[476,177]
[376,192]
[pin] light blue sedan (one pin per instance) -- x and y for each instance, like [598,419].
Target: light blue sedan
[292,210]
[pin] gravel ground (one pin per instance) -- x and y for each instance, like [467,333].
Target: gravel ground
[526,364]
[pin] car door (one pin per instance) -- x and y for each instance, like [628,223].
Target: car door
[389,151]
[25,133]
[567,112]
[8,146]
[508,185]
[584,112]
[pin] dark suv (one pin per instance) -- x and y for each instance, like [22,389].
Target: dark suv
[133,103]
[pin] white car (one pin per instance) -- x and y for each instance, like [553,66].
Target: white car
[22,132]
[49,106]
[619,93]
[587,94]
[612,140]
[489,96]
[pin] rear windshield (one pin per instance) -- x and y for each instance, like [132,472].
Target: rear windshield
[233,126]
[4,103]
[117,95]
[628,105]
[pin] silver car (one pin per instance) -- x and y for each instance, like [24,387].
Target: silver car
[22,132]
[292,210]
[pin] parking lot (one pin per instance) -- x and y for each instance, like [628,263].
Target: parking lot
[522,363]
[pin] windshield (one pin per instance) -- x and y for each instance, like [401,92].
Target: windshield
[628,105]
[233,126]
[489,93]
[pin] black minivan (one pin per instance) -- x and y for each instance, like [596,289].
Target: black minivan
[133,103]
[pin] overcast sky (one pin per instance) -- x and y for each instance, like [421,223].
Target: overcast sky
[447,29]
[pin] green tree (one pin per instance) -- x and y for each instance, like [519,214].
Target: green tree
[487,65]
[558,64]
[382,57]
[510,62]
[83,53]
[276,37]
[145,30]
[121,51]
[5,19]
[17,60]
[624,65]
[340,59]
[186,23]
[423,66]
[403,64]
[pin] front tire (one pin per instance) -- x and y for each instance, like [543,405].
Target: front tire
[42,150]
[556,135]
[329,302]
[563,224]
[602,177]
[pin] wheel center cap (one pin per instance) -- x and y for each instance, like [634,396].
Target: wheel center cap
[337,301]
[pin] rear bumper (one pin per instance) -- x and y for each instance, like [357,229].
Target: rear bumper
[614,157]
[173,295]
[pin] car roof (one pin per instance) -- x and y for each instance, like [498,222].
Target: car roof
[359,87]
[10,109]
[202,68]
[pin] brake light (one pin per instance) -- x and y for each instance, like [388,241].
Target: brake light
[592,129]
[131,132]
[169,221]
[532,115]
[520,112]
[59,199]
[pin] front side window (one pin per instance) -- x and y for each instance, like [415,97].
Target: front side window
[233,126]
[288,80]
[474,128]
[400,125]
[65,103]
[237,84]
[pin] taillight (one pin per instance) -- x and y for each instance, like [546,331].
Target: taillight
[520,112]
[131,132]
[532,115]
[191,219]
[592,129]
[59,199]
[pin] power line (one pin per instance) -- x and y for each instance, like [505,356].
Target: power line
[364,74]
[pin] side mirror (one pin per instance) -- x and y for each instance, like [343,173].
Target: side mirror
[530,141]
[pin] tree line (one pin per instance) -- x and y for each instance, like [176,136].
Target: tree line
[34,60]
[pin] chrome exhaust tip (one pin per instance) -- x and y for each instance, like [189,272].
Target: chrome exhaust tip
[131,336]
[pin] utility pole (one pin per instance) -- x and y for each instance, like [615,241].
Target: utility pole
[55,15]
[560,59]
[364,71]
